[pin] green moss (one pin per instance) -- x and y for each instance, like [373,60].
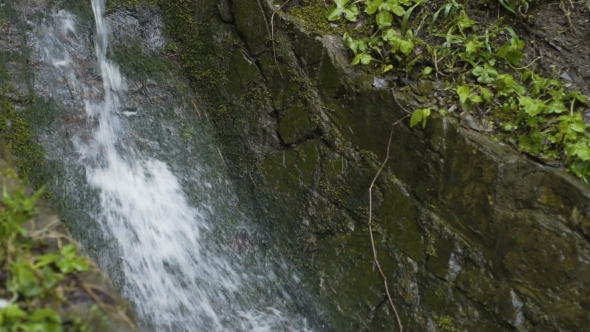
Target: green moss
[313,13]
[290,170]
[445,323]
[296,125]
[20,140]
[128,3]
[136,63]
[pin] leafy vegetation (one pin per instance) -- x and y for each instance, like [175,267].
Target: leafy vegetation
[35,281]
[480,63]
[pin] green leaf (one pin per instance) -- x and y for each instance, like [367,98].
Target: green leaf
[580,150]
[390,35]
[384,19]
[334,13]
[463,91]
[46,260]
[472,46]
[580,168]
[556,106]
[13,312]
[463,21]
[425,115]
[486,93]
[426,71]
[532,143]
[24,279]
[394,8]
[406,46]
[363,58]
[372,6]
[416,117]
[512,51]
[531,106]
[476,98]
[485,74]
[351,13]
[419,115]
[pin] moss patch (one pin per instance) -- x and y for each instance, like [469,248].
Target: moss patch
[135,63]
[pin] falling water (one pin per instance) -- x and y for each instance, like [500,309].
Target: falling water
[177,276]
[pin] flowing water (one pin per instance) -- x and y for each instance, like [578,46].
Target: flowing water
[180,260]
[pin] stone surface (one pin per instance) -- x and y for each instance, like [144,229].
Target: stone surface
[469,232]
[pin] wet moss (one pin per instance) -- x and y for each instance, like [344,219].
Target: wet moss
[313,13]
[128,3]
[137,64]
[20,141]
[295,125]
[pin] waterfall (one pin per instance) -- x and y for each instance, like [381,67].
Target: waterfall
[176,274]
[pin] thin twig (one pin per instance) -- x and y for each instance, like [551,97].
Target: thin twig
[251,178]
[222,158]
[107,308]
[272,35]
[401,106]
[399,321]
[196,109]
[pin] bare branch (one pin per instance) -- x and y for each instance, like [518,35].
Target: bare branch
[399,322]
[272,35]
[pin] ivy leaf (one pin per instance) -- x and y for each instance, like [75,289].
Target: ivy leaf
[372,6]
[577,96]
[511,54]
[384,19]
[419,115]
[334,13]
[356,46]
[363,58]
[341,7]
[580,150]
[463,91]
[406,46]
[464,21]
[70,262]
[556,106]
[476,98]
[351,13]
[486,93]
[390,35]
[13,312]
[24,279]
[472,46]
[512,51]
[532,143]
[485,74]
[393,7]
[46,260]
[531,106]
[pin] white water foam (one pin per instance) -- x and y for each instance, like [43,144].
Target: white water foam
[176,279]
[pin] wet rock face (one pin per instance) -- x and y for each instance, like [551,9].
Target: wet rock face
[471,235]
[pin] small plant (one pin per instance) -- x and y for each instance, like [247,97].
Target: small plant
[34,280]
[341,8]
[445,323]
[480,64]
[420,115]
